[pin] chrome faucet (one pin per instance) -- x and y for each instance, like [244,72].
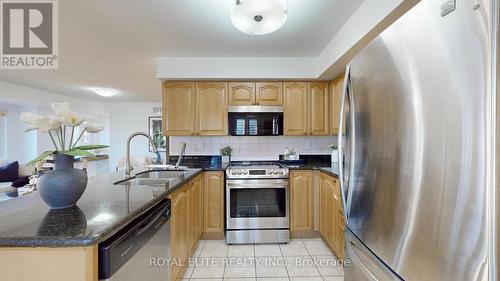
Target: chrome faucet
[183,151]
[128,166]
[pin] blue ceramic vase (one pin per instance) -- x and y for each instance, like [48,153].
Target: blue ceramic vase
[63,186]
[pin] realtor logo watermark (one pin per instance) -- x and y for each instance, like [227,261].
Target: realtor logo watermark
[29,35]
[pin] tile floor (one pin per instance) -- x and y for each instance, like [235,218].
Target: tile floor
[301,259]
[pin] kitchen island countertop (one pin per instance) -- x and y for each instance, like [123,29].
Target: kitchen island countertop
[103,210]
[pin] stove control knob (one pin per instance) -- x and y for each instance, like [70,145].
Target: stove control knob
[269,172]
[245,172]
[239,172]
[281,172]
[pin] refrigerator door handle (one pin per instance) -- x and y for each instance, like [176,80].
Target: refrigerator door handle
[345,97]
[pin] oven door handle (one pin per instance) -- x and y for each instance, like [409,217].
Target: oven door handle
[231,184]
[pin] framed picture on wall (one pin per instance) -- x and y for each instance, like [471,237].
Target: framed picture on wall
[156,133]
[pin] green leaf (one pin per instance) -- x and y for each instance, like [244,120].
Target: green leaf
[91,147]
[79,152]
[41,157]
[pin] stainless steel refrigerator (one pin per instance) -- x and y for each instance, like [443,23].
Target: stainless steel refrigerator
[417,147]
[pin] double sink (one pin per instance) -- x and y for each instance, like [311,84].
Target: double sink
[154,178]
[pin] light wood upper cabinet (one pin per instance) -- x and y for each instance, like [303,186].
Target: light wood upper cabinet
[179,229]
[269,93]
[213,202]
[178,108]
[301,201]
[295,108]
[260,93]
[195,213]
[336,91]
[211,108]
[318,109]
[241,93]
[306,109]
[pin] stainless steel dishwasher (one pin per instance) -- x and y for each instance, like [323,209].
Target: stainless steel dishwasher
[141,250]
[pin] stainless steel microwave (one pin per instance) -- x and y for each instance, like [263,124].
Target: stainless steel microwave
[255,120]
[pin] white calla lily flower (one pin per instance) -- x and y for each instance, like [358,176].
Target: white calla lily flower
[49,124]
[94,127]
[39,122]
[31,118]
[61,109]
[71,119]
[56,127]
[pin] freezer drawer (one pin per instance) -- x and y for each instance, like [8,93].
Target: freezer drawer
[364,266]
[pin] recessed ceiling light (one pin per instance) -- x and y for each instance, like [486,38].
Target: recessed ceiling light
[104,92]
[258,17]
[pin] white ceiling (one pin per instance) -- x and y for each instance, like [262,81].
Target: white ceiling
[114,43]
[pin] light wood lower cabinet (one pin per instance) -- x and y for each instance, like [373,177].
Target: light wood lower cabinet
[179,230]
[331,219]
[339,241]
[49,264]
[326,209]
[195,212]
[197,207]
[213,204]
[301,201]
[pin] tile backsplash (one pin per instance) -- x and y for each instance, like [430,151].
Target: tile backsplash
[253,148]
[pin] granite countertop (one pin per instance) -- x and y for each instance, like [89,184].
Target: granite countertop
[330,168]
[205,162]
[103,209]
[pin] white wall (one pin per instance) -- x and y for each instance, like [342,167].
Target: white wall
[18,145]
[127,118]
[15,99]
[253,148]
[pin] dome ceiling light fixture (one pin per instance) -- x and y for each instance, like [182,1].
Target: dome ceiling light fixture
[258,17]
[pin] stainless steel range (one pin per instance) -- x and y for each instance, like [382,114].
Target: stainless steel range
[257,203]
